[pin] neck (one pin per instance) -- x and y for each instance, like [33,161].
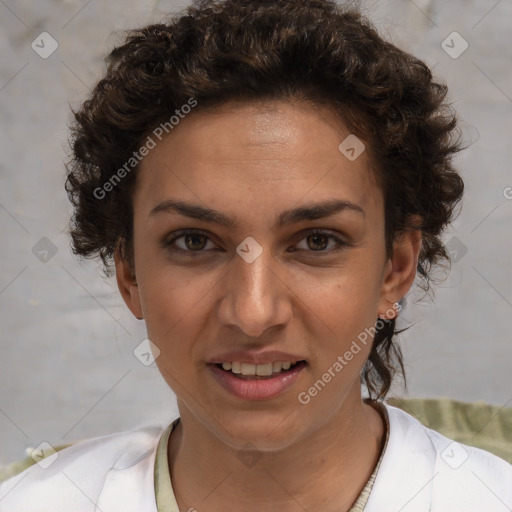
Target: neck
[324,470]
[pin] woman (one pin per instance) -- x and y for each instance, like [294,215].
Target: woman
[266,179]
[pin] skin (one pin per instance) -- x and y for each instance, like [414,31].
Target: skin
[251,161]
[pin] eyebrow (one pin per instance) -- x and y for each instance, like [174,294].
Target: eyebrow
[308,212]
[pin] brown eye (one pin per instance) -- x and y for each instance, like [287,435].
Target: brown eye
[195,241]
[318,241]
[188,242]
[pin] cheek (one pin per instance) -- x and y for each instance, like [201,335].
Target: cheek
[345,297]
[345,310]
[174,310]
[171,321]
[343,341]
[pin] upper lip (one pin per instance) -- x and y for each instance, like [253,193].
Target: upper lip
[255,357]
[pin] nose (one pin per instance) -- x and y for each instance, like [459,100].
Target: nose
[255,297]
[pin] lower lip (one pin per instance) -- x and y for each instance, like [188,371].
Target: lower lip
[257,389]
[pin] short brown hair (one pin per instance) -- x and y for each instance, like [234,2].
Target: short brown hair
[315,50]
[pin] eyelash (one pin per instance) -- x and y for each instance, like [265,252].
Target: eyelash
[169,244]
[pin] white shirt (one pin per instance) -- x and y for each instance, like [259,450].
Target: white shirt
[420,471]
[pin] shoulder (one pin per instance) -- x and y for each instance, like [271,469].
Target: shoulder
[76,475]
[423,470]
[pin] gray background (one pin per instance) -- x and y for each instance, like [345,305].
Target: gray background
[67,368]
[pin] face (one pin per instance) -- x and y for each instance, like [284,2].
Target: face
[256,240]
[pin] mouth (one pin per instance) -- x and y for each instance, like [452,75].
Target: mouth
[249,371]
[245,380]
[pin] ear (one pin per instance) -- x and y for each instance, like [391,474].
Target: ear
[400,272]
[127,284]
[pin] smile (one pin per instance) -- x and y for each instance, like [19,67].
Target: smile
[257,381]
[257,370]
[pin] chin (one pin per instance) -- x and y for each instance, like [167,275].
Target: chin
[266,431]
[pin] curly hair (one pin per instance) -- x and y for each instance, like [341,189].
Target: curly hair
[217,51]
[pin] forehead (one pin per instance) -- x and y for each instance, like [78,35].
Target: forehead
[276,152]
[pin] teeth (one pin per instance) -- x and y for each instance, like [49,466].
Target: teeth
[263,369]
[248,369]
[257,369]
